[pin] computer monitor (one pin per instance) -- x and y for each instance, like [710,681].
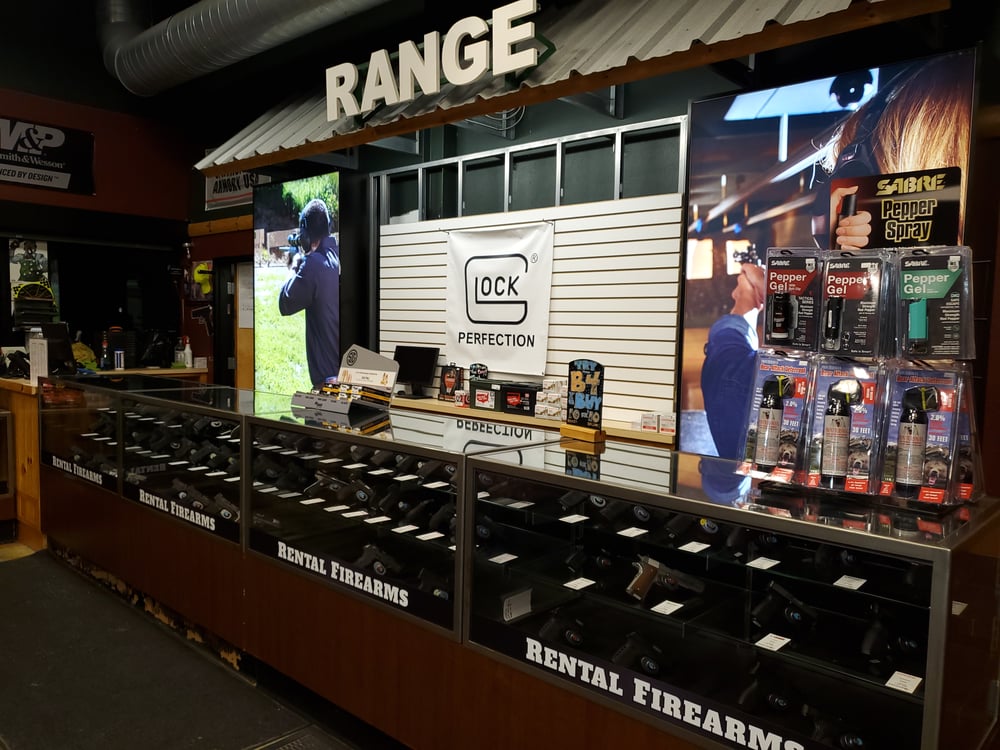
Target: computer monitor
[417,367]
[60,348]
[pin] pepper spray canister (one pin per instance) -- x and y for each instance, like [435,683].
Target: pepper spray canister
[911,444]
[772,407]
[835,458]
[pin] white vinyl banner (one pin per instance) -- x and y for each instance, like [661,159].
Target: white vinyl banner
[499,282]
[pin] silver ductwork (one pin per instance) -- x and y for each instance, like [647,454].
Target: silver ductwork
[206,37]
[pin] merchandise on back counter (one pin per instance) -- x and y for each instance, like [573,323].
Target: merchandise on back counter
[843,424]
[452,380]
[857,320]
[777,415]
[921,432]
[969,463]
[793,279]
[935,304]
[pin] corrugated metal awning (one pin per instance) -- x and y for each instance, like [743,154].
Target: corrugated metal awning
[598,43]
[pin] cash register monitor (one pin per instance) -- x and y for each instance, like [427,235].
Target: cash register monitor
[60,348]
[417,367]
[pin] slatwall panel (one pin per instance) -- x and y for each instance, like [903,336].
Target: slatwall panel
[615,286]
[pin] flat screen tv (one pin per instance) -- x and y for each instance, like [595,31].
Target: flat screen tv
[771,168]
[417,368]
[296,283]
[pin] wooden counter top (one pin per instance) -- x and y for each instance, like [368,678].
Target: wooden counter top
[613,429]
[18,385]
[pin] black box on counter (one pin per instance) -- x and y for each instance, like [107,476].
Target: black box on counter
[519,398]
[485,393]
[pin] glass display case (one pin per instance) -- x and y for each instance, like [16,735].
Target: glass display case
[736,613]
[371,504]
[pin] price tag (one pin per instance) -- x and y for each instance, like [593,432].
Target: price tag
[331,460]
[378,519]
[429,535]
[267,490]
[958,608]
[268,447]
[197,468]
[695,547]
[405,529]
[516,605]
[311,501]
[763,563]
[773,642]
[356,466]
[310,456]
[288,452]
[573,518]
[579,583]
[906,683]
[216,474]
[633,531]
[436,485]
[336,508]
[356,514]
[232,479]
[287,495]
[506,557]
[520,504]
[667,607]
[850,582]
[376,472]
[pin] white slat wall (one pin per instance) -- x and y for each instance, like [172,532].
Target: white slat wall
[615,286]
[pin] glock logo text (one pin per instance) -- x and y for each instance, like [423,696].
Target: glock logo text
[492,289]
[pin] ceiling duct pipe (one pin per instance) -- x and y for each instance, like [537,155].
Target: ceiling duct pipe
[206,37]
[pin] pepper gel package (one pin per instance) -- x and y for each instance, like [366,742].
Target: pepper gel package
[793,283]
[935,316]
[855,318]
[921,427]
[842,426]
[777,415]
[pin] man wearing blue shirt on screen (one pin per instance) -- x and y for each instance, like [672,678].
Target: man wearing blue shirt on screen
[314,286]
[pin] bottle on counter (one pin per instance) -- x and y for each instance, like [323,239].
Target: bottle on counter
[179,352]
[105,362]
[188,354]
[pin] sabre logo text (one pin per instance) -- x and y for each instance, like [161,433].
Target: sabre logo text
[27,138]
[492,289]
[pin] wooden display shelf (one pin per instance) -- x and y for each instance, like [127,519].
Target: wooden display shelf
[612,429]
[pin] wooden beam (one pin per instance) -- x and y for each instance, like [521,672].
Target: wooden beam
[219,226]
[859,15]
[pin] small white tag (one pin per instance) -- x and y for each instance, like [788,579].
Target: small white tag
[906,683]
[335,508]
[436,485]
[763,563]
[850,582]
[579,583]
[378,519]
[505,557]
[773,642]
[667,607]
[197,468]
[266,490]
[376,472]
[268,447]
[958,608]
[216,474]
[289,452]
[287,495]
[356,466]
[356,514]
[232,479]
[519,504]
[311,501]
[429,535]
[633,531]
[176,463]
[405,529]
[406,477]
[516,605]
[89,434]
[694,547]
[330,461]
[310,456]
[573,518]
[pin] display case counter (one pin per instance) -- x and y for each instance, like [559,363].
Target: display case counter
[131,476]
[370,505]
[679,590]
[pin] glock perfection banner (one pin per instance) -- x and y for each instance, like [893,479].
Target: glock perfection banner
[46,156]
[499,283]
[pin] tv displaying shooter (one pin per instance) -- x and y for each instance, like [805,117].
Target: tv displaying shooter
[313,286]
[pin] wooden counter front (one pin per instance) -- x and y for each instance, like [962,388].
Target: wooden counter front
[19,397]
